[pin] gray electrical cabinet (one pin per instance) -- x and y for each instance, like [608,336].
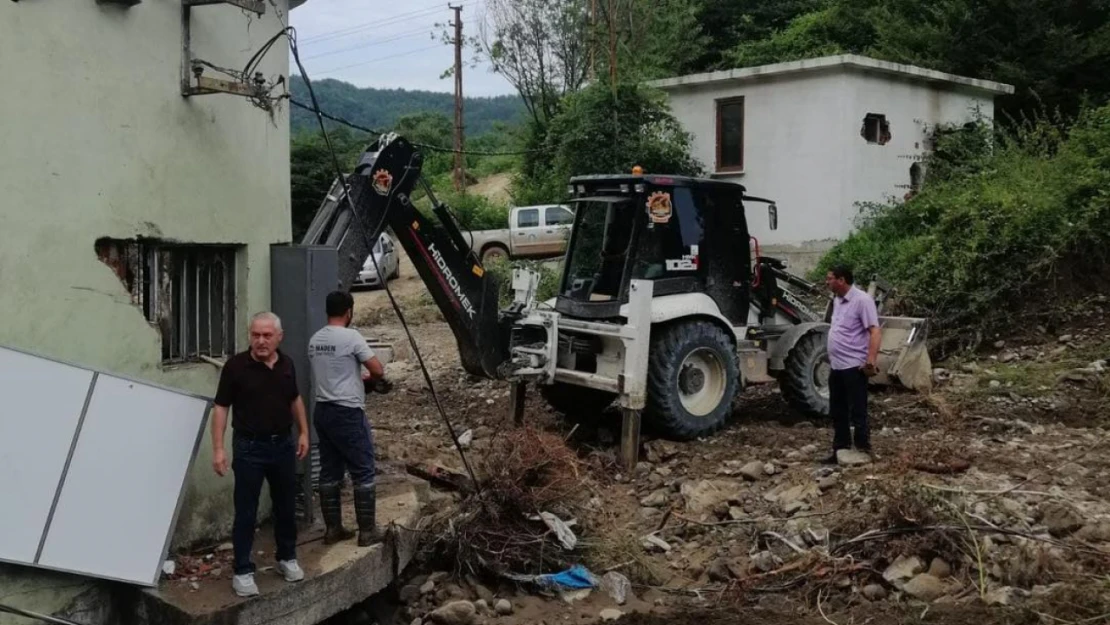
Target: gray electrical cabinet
[301,276]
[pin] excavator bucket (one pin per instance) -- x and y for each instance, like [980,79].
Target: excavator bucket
[903,354]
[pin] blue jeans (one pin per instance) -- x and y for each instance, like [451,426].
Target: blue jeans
[275,461]
[346,442]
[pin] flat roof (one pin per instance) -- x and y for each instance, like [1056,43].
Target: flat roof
[846,61]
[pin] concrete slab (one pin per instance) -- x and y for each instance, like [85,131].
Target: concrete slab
[337,576]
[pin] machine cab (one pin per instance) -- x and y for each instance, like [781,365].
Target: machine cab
[686,235]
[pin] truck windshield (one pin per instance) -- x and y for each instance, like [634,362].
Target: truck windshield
[599,249]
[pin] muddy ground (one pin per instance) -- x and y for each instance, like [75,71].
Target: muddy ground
[986,501]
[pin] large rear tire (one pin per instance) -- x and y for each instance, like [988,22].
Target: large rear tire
[693,377]
[576,402]
[805,382]
[494,253]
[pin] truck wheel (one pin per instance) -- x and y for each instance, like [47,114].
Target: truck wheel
[396,272]
[805,382]
[692,380]
[574,401]
[494,253]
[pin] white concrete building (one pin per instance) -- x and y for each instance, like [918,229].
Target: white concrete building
[821,136]
[119,198]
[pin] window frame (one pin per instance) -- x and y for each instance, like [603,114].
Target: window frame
[520,213]
[719,105]
[561,209]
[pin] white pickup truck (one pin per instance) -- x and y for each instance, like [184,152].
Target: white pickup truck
[533,232]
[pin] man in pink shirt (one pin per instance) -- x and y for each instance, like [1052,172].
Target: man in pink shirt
[854,340]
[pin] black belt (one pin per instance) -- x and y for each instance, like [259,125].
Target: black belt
[251,436]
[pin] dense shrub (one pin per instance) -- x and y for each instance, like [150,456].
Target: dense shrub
[1002,221]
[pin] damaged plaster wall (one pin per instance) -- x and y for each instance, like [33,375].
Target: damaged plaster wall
[98,142]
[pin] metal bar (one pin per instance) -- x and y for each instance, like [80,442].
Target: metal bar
[630,438]
[206,86]
[518,392]
[589,380]
[255,6]
[186,52]
[65,467]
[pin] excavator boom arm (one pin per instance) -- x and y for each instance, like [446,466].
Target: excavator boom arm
[378,195]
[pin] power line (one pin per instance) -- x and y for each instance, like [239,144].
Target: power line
[377,60]
[358,28]
[366,234]
[370,44]
[426,146]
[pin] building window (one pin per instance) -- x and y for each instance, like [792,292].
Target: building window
[187,291]
[730,135]
[876,129]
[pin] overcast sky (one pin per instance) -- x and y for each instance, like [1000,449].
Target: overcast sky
[389,44]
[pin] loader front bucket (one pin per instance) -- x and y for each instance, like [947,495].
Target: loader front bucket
[903,355]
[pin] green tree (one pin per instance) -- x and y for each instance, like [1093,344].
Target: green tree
[312,171]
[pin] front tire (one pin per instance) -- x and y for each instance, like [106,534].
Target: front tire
[805,381]
[693,377]
[494,253]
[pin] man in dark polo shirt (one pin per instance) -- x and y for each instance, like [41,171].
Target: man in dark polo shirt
[260,387]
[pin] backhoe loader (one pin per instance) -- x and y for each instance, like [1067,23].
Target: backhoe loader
[660,308]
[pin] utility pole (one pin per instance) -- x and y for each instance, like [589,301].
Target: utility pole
[460,174]
[612,48]
[592,40]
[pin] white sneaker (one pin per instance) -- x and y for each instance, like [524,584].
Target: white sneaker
[244,585]
[291,570]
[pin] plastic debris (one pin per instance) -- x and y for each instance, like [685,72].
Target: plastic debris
[169,567]
[562,531]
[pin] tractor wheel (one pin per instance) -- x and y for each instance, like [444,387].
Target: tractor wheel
[692,379]
[805,382]
[576,401]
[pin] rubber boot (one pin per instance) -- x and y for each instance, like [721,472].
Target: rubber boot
[332,510]
[365,509]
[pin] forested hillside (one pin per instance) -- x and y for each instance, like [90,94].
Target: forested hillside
[381,108]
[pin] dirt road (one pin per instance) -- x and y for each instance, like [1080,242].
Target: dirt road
[1005,466]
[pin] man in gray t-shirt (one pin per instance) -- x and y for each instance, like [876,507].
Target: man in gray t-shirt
[338,355]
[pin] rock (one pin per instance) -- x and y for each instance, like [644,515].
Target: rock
[851,458]
[466,438]
[617,586]
[643,468]
[1061,519]
[651,542]
[1004,595]
[409,594]
[648,514]
[1067,338]
[794,507]
[1013,507]
[195,586]
[610,614]
[769,468]
[1096,533]
[694,571]
[663,472]
[483,593]
[657,499]
[798,493]
[1008,357]
[455,613]
[999,344]
[417,621]
[994,384]
[503,607]
[428,587]
[481,606]
[719,572]
[752,471]
[826,483]
[874,592]
[902,569]
[225,547]
[660,451]
[169,567]
[940,569]
[702,497]
[765,561]
[925,587]
[737,514]
[970,367]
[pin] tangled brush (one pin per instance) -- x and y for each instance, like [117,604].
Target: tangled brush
[525,472]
